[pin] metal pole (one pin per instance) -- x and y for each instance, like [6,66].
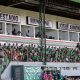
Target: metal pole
[42,30]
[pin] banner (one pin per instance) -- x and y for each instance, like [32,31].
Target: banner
[36,22]
[74,27]
[9,17]
[62,26]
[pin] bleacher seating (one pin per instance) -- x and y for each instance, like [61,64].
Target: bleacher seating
[31,53]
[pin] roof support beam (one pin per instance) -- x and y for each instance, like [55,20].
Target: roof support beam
[14,4]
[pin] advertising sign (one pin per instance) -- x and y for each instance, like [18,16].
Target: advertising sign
[36,22]
[62,26]
[9,17]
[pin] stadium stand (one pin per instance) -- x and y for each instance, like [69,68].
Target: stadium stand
[19,29]
[31,53]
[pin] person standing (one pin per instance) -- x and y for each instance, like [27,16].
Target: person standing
[45,76]
[50,77]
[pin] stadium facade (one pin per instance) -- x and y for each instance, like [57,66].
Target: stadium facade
[57,28]
[22,27]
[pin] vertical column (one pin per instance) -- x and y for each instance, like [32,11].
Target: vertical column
[34,31]
[20,30]
[5,28]
[42,31]
[68,36]
[58,34]
[78,36]
[68,33]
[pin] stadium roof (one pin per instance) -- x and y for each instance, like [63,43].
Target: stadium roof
[66,8]
[77,1]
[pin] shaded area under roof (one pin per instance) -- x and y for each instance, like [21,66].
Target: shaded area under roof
[65,8]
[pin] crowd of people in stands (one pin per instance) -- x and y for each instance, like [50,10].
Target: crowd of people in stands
[32,53]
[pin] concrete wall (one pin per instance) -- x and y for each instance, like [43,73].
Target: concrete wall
[7,73]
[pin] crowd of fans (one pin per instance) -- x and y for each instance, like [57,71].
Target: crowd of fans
[31,52]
